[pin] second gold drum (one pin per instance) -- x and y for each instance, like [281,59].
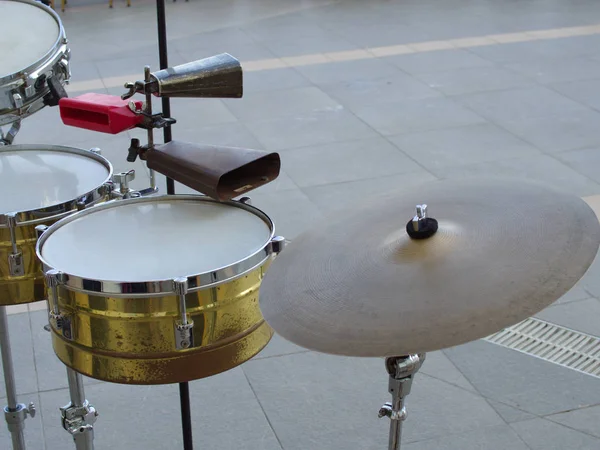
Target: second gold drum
[158,290]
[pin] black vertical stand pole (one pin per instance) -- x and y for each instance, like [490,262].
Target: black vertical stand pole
[184,389]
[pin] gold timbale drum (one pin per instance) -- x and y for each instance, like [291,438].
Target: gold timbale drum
[158,290]
[39,185]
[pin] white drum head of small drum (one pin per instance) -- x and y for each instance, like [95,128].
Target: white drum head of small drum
[154,240]
[34,177]
[28,34]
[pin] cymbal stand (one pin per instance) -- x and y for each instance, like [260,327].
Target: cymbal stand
[78,417]
[14,413]
[401,370]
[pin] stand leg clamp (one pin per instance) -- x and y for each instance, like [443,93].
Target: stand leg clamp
[16,419]
[79,421]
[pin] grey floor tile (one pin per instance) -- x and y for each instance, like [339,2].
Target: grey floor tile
[331,197]
[435,408]
[493,438]
[583,91]
[417,115]
[232,134]
[193,112]
[437,61]
[571,69]
[281,103]
[310,129]
[279,346]
[274,79]
[51,372]
[34,433]
[541,434]
[581,316]
[242,50]
[591,280]
[291,211]
[474,79]
[558,133]
[542,168]
[339,71]
[574,295]
[509,413]
[527,383]
[346,161]
[584,419]
[454,147]
[509,52]
[124,420]
[565,47]
[322,42]
[396,87]
[521,103]
[24,367]
[438,365]
[585,161]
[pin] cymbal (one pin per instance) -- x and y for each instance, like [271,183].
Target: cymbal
[358,284]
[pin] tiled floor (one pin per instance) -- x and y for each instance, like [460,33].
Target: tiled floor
[358,97]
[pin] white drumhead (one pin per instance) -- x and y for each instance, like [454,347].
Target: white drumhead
[152,241]
[28,33]
[31,179]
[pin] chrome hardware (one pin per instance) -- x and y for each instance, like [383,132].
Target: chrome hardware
[278,244]
[18,101]
[246,201]
[184,337]
[123,179]
[79,416]
[15,259]
[401,371]
[96,151]
[9,137]
[40,229]
[57,320]
[419,217]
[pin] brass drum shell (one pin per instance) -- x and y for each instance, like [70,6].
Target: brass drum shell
[132,340]
[29,287]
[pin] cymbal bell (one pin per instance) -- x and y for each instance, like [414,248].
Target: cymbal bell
[358,284]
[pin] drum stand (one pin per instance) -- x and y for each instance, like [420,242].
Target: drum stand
[9,137]
[401,370]
[78,417]
[14,413]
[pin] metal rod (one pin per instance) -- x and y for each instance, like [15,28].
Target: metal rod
[164,63]
[18,437]
[184,389]
[186,415]
[76,391]
[79,416]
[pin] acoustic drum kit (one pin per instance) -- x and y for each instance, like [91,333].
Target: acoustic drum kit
[377,280]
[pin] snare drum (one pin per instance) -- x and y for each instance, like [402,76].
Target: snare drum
[38,186]
[158,290]
[33,49]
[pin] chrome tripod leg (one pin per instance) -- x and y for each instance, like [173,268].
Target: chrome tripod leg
[78,417]
[401,370]
[14,413]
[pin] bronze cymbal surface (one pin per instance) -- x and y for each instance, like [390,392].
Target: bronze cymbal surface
[357,285]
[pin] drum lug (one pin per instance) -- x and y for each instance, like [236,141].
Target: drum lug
[246,201]
[57,320]
[278,244]
[16,267]
[184,333]
[40,229]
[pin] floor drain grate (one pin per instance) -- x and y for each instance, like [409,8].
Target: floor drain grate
[553,343]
